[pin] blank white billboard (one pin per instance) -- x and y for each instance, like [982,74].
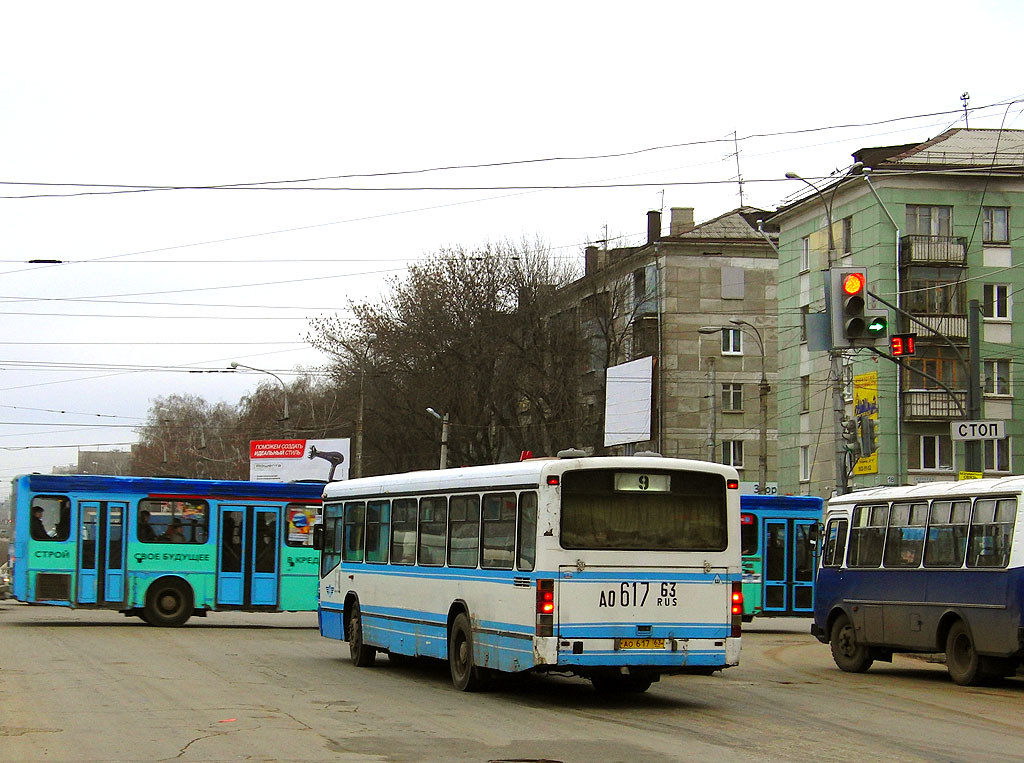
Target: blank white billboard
[627,405]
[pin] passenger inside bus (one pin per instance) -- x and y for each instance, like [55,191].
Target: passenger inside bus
[173,533]
[146,532]
[36,528]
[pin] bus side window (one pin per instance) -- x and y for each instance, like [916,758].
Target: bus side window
[464,534]
[433,528]
[835,545]
[403,531]
[748,534]
[867,535]
[499,535]
[355,514]
[946,543]
[904,539]
[331,556]
[527,531]
[55,521]
[378,531]
[991,532]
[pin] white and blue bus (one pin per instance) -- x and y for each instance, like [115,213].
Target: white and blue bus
[617,569]
[930,568]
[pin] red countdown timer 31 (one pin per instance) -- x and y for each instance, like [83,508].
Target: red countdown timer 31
[902,344]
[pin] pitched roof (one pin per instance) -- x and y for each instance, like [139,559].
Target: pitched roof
[959,147]
[736,224]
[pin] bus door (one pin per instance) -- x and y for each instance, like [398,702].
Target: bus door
[789,566]
[248,558]
[101,551]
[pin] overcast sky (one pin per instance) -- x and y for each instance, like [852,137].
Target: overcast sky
[100,97]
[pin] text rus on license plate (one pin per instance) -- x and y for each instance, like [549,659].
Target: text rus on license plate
[641,643]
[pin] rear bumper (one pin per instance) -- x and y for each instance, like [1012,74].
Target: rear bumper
[603,652]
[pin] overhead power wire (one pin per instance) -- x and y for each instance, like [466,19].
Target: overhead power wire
[509,163]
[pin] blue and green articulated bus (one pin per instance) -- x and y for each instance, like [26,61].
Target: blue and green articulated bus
[164,549]
[780,548]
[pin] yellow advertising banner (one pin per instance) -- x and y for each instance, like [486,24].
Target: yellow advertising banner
[865,402]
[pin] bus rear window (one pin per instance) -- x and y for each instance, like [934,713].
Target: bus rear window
[689,516]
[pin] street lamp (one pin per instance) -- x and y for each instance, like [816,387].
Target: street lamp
[763,389]
[444,436]
[284,388]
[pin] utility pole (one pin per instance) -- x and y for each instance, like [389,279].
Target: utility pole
[972,449]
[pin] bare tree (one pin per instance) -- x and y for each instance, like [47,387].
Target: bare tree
[463,334]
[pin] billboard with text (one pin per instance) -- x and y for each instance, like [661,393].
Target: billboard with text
[295,460]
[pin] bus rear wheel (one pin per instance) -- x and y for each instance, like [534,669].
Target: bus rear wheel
[847,653]
[362,656]
[962,660]
[466,676]
[169,604]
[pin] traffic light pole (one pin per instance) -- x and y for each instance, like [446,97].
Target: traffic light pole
[838,413]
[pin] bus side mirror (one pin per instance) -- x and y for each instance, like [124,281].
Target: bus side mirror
[318,537]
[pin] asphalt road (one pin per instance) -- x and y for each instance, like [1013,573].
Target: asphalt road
[96,686]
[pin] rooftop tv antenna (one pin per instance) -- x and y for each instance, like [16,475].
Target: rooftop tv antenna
[965,98]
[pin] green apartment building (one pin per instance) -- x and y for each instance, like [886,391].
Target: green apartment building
[936,225]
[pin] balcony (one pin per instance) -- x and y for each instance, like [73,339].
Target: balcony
[949,325]
[933,250]
[933,405]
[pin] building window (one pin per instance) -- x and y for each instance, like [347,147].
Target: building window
[805,310]
[732,453]
[996,302]
[995,225]
[645,337]
[929,221]
[936,291]
[997,377]
[805,463]
[732,283]
[805,254]
[805,394]
[732,397]
[732,342]
[847,235]
[997,455]
[930,452]
[940,362]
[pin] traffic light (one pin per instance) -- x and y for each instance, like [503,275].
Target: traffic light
[851,326]
[851,438]
[848,286]
[867,434]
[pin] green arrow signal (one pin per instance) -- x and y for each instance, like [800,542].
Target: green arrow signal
[877,324]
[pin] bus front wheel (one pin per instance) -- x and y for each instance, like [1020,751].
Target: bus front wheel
[847,653]
[168,604]
[362,656]
[466,676]
[962,660]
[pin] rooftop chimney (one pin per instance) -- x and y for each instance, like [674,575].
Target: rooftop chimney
[653,226]
[682,220]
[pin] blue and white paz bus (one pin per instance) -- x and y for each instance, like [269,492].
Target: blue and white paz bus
[927,568]
[617,569]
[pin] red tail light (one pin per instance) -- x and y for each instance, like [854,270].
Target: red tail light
[737,609]
[732,484]
[545,607]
